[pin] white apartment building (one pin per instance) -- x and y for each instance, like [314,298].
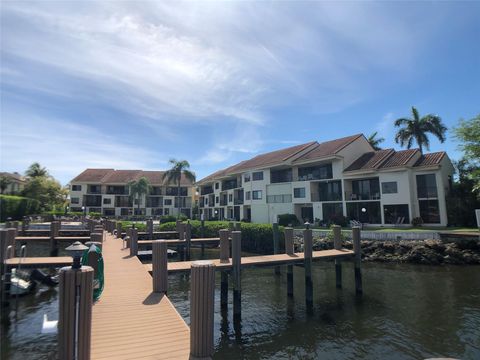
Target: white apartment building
[321,181]
[105,191]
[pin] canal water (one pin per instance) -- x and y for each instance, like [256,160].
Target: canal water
[406,312]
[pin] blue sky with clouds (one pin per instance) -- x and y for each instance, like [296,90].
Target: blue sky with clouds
[129,85]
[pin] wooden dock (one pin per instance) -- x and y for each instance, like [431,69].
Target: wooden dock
[47,238]
[39,262]
[262,260]
[130,321]
[181,242]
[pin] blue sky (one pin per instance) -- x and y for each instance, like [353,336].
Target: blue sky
[129,85]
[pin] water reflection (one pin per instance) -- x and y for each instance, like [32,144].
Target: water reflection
[406,312]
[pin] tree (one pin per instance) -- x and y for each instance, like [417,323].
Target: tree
[35,170]
[47,191]
[468,132]
[138,189]
[174,176]
[4,182]
[416,129]
[374,141]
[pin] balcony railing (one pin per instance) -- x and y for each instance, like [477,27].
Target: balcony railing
[352,196]
[238,201]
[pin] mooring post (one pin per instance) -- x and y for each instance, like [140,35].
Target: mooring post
[75,313]
[119,230]
[150,228]
[178,223]
[276,239]
[134,242]
[236,272]
[202,233]
[358,258]
[224,258]
[231,227]
[307,251]
[7,238]
[128,236]
[181,236]
[238,226]
[54,232]
[337,245]
[160,266]
[202,300]
[188,240]
[97,239]
[289,250]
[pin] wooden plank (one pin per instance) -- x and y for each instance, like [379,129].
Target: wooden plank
[261,260]
[130,321]
[58,238]
[180,242]
[40,261]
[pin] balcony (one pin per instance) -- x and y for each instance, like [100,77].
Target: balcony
[117,190]
[229,184]
[206,190]
[352,196]
[280,176]
[94,189]
[426,192]
[315,173]
[92,200]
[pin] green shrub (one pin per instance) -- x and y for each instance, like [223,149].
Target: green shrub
[288,220]
[167,219]
[256,238]
[16,207]
[95,215]
[128,224]
[418,221]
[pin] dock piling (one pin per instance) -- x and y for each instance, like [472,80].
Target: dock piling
[289,250]
[337,245]
[236,272]
[224,258]
[188,238]
[358,258]
[202,300]
[54,232]
[160,266]
[134,242]
[276,237]
[119,230]
[150,229]
[308,252]
[75,313]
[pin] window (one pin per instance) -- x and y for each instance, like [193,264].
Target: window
[365,212]
[76,187]
[217,185]
[74,200]
[256,176]
[247,195]
[246,178]
[330,191]
[365,189]
[107,201]
[285,198]
[389,187]
[280,176]
[229,184]
[217,199]
[257,194]
[315,172]
[426,186]
[124,211]
[396,214]
[167,202]
[299,192]
[331,211]
[429,211]
[166,211]
[230,197]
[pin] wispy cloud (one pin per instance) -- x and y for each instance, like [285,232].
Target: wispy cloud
[66,148]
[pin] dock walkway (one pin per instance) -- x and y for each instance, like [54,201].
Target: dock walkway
[130,321]
[262,260]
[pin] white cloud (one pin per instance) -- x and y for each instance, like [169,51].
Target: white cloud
[66,149]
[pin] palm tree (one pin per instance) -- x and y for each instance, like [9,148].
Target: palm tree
[417,128]
[174,175]
[4,182]
[35,170]
[374,141]
[138,189]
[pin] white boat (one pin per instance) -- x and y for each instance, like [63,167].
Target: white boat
[19,286]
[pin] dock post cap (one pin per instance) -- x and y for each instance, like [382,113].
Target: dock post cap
[199,263]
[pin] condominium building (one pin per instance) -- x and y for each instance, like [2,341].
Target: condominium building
[16,183]
[106,191]
[323,181]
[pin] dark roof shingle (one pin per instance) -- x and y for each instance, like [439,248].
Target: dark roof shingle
[370,160]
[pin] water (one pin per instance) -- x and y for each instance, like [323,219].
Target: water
[406,312]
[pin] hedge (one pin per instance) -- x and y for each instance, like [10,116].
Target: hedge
[256,238]
[16,207]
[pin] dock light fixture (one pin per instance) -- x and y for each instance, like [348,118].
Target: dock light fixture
[84,210]
[77,249]
[307,225]
[364,210]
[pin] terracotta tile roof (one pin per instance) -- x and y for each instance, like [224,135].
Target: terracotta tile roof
[111,176]
[370,160]
[270,158]
[218,173]
[430,159]
[92,175]
[328,148]
[399,158]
